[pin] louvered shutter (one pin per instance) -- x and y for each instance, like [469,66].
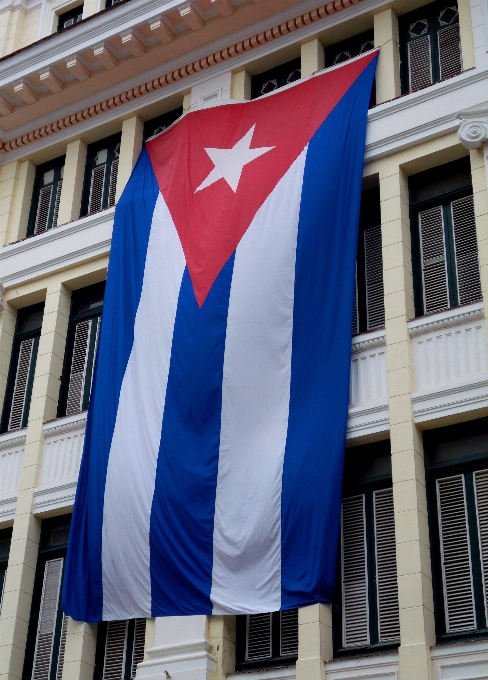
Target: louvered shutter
[56,204]
[138,647]
[62,648]
[115,650]
[466,248]
[95,349]
[433,257]
[455,555]
[97,184]
[19,397]
[355,629]
[113,182]
[355,312]
[258,637]
[449,51]
[43,209]
[481,487]
[289,633]
[375,305]
[386,571]
[79,363]
[48,613]
[419,63]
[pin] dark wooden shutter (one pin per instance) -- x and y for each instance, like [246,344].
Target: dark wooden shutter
[481,487]
[355,312]
[455,555]
[79,362]
[23,372]
[62,647]
[433,258]
[56,204]
[289,633]
[258,637]
[138,646]
[419,56]
[386,569]
[466,248]
[375,306]
[355,629]
[48,613]
[115,650]
[97,184]
[43,209]
[114,171]
[449,43]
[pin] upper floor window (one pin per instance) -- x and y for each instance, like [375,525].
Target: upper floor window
[81,349]
[350,48]
[45,198]
[46,638]
[457,476]
[120,647]
[429,45]
[157,125]
[22,368]
[69,18]
[266,639]
[277,77]
[102,164]
[444,243]
[369,304]
[369,617]
[5,540]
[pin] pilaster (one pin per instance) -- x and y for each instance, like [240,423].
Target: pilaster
[79,654]
[221,633]
[16,185]
[388,68]
[312,57]
[26,530]
[409,494]
[74,172]
[130,148]
[8,319]
[466,34]
[241,85]
[314,641]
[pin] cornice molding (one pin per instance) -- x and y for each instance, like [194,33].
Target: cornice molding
[12,440]
[61,426]
[473,129]
[190,69]
[364,344]
[447,320]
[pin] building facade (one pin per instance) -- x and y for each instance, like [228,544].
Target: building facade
[81,87]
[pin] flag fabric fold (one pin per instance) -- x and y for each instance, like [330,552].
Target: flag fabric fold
[212,467]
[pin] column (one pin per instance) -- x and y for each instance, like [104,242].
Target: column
[130,148]
[221,633]
[186,101]
[74,173]
[466,34]
[79,654]
[16,185]
[312,57]
[241,85]
[408,472]
[8,319]
[388,68]
[25,538]
[314,641]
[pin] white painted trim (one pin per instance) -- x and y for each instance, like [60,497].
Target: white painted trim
[462,661]
[12,439]
[367,421]
[447,319]
[56,497]
[370,340]
[7,509]
[374,667]
[66,424]
[281,673]
[462,397]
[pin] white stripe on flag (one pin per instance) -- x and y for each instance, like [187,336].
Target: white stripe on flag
[131,472]
[246,575]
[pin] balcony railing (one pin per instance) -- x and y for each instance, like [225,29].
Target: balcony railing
[11,453]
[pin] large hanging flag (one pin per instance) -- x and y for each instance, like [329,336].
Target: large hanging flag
[212,469]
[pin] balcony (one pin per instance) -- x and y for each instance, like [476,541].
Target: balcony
[11,453]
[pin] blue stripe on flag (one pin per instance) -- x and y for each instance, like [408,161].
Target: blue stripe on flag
[321,350]
[82,590]
[182,518]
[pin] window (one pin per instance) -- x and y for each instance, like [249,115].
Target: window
[120,647]
[101,175]
[369,612]
[429,45]
[109,3]
[369,304]
[45,198]
[156,125]
[46,638]
[444,244]
[347,49]
[271,80]
[457,475]
[81,349]
[69,18]
[5,539]
[22,367]
[267,639]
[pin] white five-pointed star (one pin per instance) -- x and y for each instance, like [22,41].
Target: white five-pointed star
[229,163]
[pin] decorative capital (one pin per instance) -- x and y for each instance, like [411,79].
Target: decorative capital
[473,130]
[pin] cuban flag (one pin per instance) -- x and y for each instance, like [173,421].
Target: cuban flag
[212,469]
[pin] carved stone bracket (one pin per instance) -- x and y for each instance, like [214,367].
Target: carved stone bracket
[473,130]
